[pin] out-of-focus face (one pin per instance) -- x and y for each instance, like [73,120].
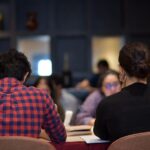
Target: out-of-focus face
[43,85]
[111,85]
[101,69]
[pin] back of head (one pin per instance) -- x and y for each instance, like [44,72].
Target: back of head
[14,64]
[102,65]
[134,58]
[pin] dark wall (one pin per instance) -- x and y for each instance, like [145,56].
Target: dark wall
[72,23]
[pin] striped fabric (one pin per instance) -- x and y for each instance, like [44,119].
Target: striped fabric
[25,110]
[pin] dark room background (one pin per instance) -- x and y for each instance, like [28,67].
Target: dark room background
[71,25]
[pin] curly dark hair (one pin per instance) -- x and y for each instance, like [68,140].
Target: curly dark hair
[134,58]
[14,64]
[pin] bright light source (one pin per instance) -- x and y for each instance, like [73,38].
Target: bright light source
[44,67]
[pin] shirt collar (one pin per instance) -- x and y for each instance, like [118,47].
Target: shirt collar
[8,84]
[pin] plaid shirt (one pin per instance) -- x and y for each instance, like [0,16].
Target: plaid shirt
[24,110]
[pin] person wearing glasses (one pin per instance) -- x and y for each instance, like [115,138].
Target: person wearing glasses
[128,111]
[108,84]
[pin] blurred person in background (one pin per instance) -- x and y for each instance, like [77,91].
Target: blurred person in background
[67,100]
[53,85]
[128,111]
[64,100]
[108,84]
[92,83]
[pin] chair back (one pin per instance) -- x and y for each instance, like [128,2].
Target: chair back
[139,141]
[23,143]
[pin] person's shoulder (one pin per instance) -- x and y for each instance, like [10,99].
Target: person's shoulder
[109,101]
[94,76]
[66,95]
[35,91]
[95,94]
[115,96]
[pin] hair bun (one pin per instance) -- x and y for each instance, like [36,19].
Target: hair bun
[140,69]
[135,59]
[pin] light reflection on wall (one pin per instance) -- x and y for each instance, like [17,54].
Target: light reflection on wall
[106,48]
[36,48]
[43,66]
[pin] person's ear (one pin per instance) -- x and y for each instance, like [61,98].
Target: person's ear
[122,74]
[25,77]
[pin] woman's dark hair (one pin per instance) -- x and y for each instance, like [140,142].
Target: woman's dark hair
[14,64]
[52,82]
[104,75]
[49,83]
[134,58]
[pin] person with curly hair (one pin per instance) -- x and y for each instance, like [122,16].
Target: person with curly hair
[25,110]
[128,111]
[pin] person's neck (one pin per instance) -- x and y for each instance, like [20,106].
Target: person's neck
[132,80]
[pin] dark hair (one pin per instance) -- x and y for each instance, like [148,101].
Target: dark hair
[104,75]
[14,64]
[103,63]
[48,82]
[134,58]
[53,81]
[57,79]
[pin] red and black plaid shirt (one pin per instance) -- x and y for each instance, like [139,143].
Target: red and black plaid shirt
[24,110]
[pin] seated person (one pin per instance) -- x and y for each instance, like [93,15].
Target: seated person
[92,83]
[53,86]
[25,110]
[69,101]
[128,111]
[64,100]
[108,85]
